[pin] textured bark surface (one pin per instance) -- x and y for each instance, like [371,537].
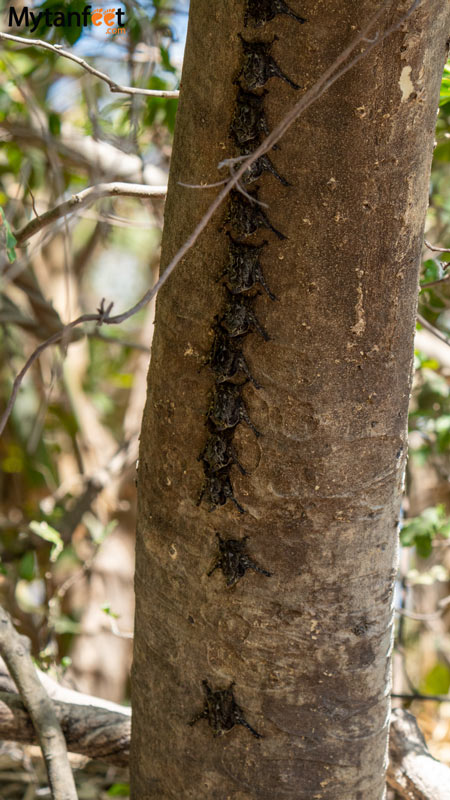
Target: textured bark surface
[308,648]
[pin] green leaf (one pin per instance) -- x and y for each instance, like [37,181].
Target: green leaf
[442,152]
[45,531]
[8,237]
[106,608]
[444,531]
[54,123]
[437,680]
[445,86]
[123,380]
[14,460]
[97,530]
[445,89]
[420,531]
[119,790]
[423,545]
[70,33]
[65,624]
[165,60]
[432,270]
[27,566]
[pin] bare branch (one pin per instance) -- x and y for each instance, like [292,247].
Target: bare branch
[412,770]
[88,730]
[435,283]
[437,698]
[337,69]
[120,342]
[85,153]
[114,87]
[435,249]
[84,198]
[15,651]
[443,604]
[91,725]
[56,691]
[116,630]
[424,322]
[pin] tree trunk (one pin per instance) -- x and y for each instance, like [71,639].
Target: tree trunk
[308,647]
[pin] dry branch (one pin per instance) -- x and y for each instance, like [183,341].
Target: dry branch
[92,726]
[435,249]
[15,651]
[61,693]
[85,153]
[412,771]
[84,198]
[88,730]
[114,87]
[435,331]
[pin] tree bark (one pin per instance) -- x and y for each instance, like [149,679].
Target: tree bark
[308,648]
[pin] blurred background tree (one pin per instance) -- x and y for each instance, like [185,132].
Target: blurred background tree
[68,453]
[422,662]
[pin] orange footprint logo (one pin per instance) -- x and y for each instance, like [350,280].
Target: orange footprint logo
[97,16]
[109,16]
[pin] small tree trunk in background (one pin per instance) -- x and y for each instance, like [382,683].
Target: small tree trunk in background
[308,648]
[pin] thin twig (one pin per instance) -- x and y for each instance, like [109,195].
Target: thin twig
[425,617]
[434,283]
[252,199]
[438,698]
[15,651]
[122,342]
[425,324]
[116,630]
[203,185]
[114,220]
[114,87]
[337,69]
[436,249]
[84,198]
